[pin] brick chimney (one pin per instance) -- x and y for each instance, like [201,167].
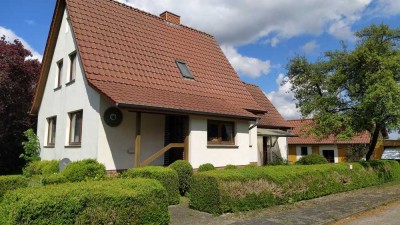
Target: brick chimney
[170,17]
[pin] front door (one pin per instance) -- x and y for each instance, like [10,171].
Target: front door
[176,129]
[329,155]
[265,150]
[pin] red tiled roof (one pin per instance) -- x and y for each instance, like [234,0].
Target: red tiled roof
[272,118]
[302,125]
[130,56]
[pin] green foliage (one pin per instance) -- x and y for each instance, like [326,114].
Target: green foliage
[312,159]
[44,167]
[88,169]
[31,147]
[120,201]
[221,191]
[278,160]
[351,91]
[230,167]
[11,182]
[356,152]
[167,176]
[206,167]
[56,178]
[185,173]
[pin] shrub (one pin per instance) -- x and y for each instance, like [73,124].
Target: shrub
[31,146]
[167,176]
[278,160]
[41,168]
[11,182]
[206,167]
[244,189]
[56,178]
[185,172]
[137,201]
[312,159]
[88,169]
[230,167]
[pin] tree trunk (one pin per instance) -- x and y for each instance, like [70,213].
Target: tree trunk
[373,142]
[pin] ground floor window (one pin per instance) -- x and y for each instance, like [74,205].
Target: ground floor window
[303,151]
[75,132]
[220,132]
[51,130]
[329,155]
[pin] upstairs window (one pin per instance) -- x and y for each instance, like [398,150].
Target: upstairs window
[75,129]
[59,73]
[72,67]
[184,70]
[220,132]
[51,130]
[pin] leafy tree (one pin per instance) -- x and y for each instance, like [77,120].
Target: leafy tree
[18,77]
[350,91]
[31,147]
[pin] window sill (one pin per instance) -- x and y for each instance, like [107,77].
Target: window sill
[49,146]
[57,88]
[70,82]
[72,146]
[221,146]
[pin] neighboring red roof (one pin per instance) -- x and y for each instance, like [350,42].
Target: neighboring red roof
[130,56]
[272,118]
[302,125]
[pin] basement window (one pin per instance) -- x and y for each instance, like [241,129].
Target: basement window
[184,70]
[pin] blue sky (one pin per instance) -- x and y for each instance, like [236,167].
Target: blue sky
[258,37]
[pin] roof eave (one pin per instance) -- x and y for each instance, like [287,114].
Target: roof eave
[184,111]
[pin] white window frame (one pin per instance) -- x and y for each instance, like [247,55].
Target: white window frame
[298,150]
[330,147]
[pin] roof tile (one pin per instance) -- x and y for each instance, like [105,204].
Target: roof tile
[301,126]
[131,50]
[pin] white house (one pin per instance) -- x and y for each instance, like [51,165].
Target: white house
[132,89]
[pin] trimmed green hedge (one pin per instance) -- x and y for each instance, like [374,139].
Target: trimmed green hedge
[11,182]
[57,178]
[230,167]
[185,173]
[312,160]
[167,176]
[206,167]
[41,168]
[244,189]
[118,201]
[84,170]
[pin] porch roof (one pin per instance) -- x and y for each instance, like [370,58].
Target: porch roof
[274,132]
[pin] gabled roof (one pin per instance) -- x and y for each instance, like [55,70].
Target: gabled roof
[301,126]
[272,118]
[130,56]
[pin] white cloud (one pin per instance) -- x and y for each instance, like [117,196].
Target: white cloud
[283,99]
[309,46]
[11,36]
[386,8]
[239,22]
[249,66]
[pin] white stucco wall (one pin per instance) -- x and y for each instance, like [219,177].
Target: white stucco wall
[283,147]
[116,144]
[72,97]
[200,153]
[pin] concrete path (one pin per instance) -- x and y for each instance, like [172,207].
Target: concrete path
[324,210]
[384,215]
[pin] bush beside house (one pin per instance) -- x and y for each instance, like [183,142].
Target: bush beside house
[206,167]
[139,201]
[244,189]
[312,160]
[41,168]
[87,169]
[185,173]
[167,176]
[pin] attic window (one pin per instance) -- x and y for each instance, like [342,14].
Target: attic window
[184,70]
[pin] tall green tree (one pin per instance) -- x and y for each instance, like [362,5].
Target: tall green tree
[18,77]
[350,91]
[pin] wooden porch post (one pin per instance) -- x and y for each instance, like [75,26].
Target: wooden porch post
[186,148]
[137,138]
